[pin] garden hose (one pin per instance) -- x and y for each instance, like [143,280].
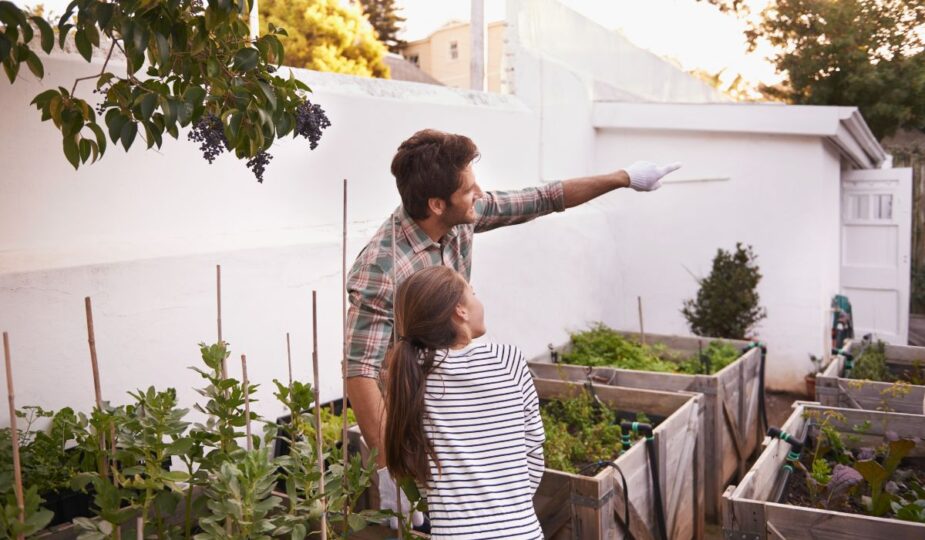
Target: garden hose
[793,457]
[626,492]
[762,406]
[646,430]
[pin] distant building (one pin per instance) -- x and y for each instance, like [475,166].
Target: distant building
[444,54]
[404,70]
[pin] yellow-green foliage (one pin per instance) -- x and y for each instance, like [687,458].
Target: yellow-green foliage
[578,433]
[602,346]
[326,35]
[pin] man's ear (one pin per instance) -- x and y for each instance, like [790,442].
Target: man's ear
[436,205]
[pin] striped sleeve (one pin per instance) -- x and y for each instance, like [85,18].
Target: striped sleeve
[534,433]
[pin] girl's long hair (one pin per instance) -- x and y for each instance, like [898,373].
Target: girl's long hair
[424,307]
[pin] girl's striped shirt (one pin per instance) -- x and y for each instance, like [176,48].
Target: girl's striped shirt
[482,415]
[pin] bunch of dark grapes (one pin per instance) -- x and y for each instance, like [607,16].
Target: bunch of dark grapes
[210,134]
[258,164]
[310,120]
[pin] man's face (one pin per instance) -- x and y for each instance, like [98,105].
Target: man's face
[461,206]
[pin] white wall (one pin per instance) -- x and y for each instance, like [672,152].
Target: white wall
[141,233]
[776,193]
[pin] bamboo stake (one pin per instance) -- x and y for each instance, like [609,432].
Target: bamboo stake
[140,528]
[289,360]
[247,403]
[98,394]
[642,329]
[14,432]
[218,301]
[343,293]
[319,450]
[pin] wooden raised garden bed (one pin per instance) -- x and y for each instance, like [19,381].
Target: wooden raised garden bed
[732,401]
[754,509]
[572,506]
[592,507]
[836,387]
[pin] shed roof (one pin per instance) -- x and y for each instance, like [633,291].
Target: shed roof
[843,126]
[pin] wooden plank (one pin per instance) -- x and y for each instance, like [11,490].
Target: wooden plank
[799,522]
[736,439]
[652,402]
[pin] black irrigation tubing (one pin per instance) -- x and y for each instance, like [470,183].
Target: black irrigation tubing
[646,430]
[793,457]
[762,406]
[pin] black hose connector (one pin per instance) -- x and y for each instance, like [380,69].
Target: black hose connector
[796,446]
[553,354]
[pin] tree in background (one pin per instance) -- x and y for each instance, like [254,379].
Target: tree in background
[325,35]
[727,304]
[383,15]
[864,53]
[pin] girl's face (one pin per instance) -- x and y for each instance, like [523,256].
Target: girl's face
[471,313]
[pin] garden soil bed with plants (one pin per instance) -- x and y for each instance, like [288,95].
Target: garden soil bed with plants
[592,505]
[732,394]
[875,376]
[834,474]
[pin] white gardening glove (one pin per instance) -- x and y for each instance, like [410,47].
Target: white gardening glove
[647,176]
[388,500]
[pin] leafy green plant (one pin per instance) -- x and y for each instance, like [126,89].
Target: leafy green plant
[727,304]
[579,431]
[203,70]
[603,346]
[869,476]
[36,517]
[871,364]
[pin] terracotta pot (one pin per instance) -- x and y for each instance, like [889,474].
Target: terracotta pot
[811,385]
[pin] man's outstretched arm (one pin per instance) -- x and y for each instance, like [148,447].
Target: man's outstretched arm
[641,176]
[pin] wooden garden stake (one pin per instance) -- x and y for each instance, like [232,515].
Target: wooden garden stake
[140,528]
[218,301]
[642,329]
[289,360]
[319,450]
[343,293]
[247,403]
[98,394]
[14,433]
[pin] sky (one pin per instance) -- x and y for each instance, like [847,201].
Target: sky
[693,34]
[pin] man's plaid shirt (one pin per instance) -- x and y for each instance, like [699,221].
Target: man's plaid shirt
[370,283]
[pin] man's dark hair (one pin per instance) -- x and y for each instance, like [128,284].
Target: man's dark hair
[428,165]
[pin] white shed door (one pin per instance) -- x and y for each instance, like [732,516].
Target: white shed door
[876,239]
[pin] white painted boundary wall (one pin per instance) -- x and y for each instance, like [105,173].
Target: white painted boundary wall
[141,233]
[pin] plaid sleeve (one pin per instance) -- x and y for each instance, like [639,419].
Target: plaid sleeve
[501,208]
[369,320]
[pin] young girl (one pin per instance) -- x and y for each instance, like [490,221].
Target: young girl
[462,419]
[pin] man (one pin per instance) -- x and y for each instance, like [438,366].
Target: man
[442,207]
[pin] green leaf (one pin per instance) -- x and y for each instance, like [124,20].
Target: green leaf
[127,134]
[194,95]
[176,476]
[71,151]
[148,103]
[35,65]
[104,13]
[93,35]
[163,49]
[48,35]
[63,29]
[5,47]
[115,121]
[246,59]
[84,150]
[83,45]
[11,67]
